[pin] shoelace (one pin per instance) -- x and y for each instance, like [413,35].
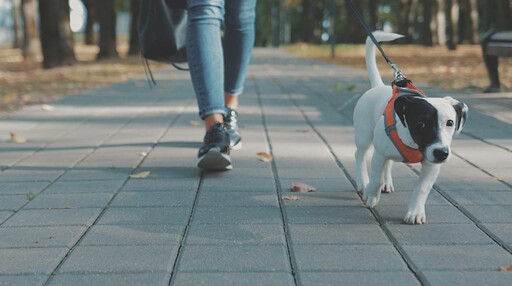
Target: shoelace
[231,120]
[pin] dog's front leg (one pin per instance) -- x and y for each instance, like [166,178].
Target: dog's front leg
[416,210]
[372,191]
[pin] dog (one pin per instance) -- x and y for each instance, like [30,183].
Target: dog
[425,125]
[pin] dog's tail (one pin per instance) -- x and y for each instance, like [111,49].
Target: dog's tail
[371,62]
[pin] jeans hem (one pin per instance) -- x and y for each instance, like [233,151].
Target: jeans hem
[212,110]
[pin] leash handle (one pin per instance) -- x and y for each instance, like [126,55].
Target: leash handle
[399,76]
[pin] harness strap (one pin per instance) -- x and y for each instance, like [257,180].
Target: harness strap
[409,154]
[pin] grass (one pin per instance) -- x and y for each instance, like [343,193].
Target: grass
[462,69]
[23,83]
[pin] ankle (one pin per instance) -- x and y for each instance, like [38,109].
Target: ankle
[213,119]
[231,100]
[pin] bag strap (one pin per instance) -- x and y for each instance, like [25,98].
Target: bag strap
[147,71]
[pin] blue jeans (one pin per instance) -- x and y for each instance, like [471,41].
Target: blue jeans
[216,68]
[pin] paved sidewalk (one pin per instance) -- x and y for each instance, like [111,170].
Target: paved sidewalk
[70,214]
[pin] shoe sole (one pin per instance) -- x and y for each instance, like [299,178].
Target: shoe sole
[237,146]
[215,160]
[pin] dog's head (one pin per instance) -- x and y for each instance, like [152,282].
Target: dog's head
[432,123]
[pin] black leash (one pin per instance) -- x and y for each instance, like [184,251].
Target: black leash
[398,73]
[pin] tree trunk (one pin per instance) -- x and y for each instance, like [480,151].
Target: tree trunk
[426,25]
[451,43]
[354,33]
[16,13]
[134,28]
[31,45]
[89,25]
[372,8]
[441,22]
[307,26]
[412,18]
[105,11]
[56,35]
[473,15]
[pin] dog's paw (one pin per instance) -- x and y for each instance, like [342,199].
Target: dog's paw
[388,188]
[415,217]
[371,200]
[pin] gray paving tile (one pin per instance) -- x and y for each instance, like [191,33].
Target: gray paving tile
[95,174]
[146,215]
[437,234]
[458,257]
[335,215]
[237,215]
[114,258]
[54,217]
[171,172]
[22,188]
[302,173]
[154,199]
[435,214]
[348,257]
[249,199]
[342,234]
[469,278]
[100,186]
[358,278]
[44,236]
[33,280]
[481,197]
[233,279]
[263,172]
[234,258]
[70,201]
[125,279]
[502,230]
[491,214]
[401,198]
[4,215]
[133,235]
[21,260]
[161,184]
[38,174]
[235,234]
[12,202]
[239,185]
[341,184]
[320,199]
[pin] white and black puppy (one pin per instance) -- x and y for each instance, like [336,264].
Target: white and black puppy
[425,124]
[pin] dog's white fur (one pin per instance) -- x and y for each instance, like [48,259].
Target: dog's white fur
[369,128]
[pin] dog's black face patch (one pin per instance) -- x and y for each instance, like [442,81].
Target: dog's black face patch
[420,117]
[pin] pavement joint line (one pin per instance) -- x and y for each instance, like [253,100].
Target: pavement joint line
[171,124]
[405,257]
[277,184]
[485,141]
[186,230]
[484,171]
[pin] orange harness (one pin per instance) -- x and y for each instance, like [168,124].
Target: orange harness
[409,154]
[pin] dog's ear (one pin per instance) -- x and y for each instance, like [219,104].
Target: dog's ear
[461,109]
[400,106]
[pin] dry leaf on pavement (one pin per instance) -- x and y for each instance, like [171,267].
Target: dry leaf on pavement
[195,123]
[140,175]
[16,138]
[47,107]
[290,198]
[143,154]
[505,268]
[265,157]
[302,188]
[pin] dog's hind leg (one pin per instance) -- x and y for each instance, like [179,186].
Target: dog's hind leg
[361,165]
[371,195]
[388,179]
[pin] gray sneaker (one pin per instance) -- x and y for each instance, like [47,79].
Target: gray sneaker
[214,154]
[231,122]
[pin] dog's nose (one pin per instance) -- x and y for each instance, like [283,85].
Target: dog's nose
[441,154]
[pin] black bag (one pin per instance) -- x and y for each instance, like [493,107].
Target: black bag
[162,30]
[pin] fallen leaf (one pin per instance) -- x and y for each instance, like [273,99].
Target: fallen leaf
[140,175]
[265,157]
[195,123]
[505,268]
[302,188]
[290,198]
[143,154]
[47,107]
[16,138]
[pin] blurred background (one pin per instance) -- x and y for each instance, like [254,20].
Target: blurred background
[50,48]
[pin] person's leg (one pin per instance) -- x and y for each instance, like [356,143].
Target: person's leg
[238,44]
[205,57]
[206,64]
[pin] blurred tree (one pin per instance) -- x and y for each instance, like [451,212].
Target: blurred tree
[31,46]
[89,24]
[106,15]
[134,31]
[55,33]
[16,13]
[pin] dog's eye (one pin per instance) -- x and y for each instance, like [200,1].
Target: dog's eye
[421,124]
[449,123]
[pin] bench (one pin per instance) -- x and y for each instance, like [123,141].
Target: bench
[494,45]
